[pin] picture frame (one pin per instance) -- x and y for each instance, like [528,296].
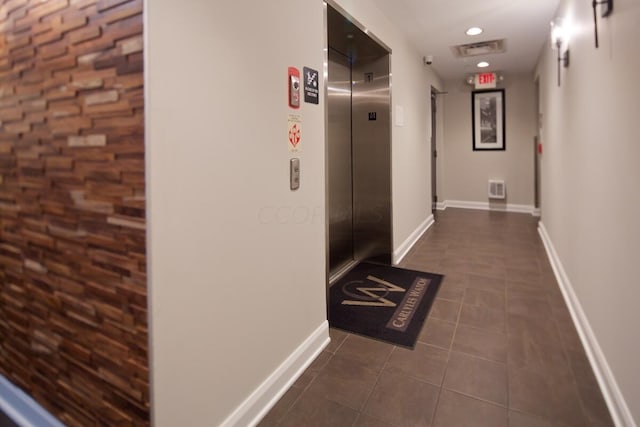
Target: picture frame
[488,120]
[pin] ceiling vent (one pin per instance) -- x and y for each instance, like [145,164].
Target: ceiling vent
[480,48]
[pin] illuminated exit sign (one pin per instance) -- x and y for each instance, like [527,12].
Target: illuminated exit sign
[485,80]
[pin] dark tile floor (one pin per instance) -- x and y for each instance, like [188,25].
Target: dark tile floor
[498,348]
[5,421]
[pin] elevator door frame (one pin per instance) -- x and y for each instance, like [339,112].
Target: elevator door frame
[331,278]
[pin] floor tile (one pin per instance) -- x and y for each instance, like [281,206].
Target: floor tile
[483,318]
[541,331]
[453,263]
[312,411]
[344,381]
[487,270]
[476,342]
[483,258]
[5,421]
[312,371]
[445,310]
[337,338]
[437,332]
[595,407]
[553,398]
[451,293]
[365,420]
[518,419]
[530,274]
[571,339]
[478,281]
[277,413]
[402,400]
[486,299]
[537,308]
[457,410]
[536,356]
[526,290]
[425,362]
[477,377]
[456,280]
[368,352]
[582,370]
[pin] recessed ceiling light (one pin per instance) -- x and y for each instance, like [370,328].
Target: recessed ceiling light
[483,64]
[474,31]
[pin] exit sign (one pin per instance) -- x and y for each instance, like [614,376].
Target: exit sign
[485,80]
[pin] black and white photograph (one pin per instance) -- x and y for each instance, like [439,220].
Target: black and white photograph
[488,119]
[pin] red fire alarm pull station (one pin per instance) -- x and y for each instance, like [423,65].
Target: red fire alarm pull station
[294,87]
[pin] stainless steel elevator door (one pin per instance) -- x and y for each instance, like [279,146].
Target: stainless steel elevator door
[371,158]
[340,162]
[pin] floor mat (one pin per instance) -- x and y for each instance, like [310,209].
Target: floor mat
[383,302]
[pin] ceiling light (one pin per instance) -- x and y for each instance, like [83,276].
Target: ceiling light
[483,64]
[474,31]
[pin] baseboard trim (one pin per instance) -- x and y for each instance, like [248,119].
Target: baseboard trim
[258,404]
[22,409]
[406,246]
[613,396]
[486,206]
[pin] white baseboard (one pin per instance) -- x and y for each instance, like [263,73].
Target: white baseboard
[441,206]
[486,206]
[22,409]
[613,396]
[406,246]
[258,404]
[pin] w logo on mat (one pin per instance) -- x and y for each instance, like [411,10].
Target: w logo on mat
[371,293]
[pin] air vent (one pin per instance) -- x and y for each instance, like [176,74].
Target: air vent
[496,189]
[480,48]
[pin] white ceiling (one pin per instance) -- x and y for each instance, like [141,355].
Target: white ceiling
[436,25]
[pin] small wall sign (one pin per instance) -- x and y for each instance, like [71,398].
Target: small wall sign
[311,90]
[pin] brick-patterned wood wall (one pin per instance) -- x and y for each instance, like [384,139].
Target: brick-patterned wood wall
[73,304]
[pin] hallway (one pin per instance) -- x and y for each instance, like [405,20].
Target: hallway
[498,348]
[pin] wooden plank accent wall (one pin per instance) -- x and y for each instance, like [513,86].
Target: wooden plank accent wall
[73,298]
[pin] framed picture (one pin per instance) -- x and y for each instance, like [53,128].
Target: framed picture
[487,109]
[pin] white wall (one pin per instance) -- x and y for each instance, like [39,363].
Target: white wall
[590,177]
[237,260]
[411,83]
[466,172]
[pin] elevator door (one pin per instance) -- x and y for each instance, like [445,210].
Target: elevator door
[340,161]
[358,147]
[340,176]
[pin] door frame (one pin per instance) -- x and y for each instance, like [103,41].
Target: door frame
[433,152]
[330,279]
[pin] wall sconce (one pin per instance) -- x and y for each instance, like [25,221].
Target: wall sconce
[560,42]
[607,8]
